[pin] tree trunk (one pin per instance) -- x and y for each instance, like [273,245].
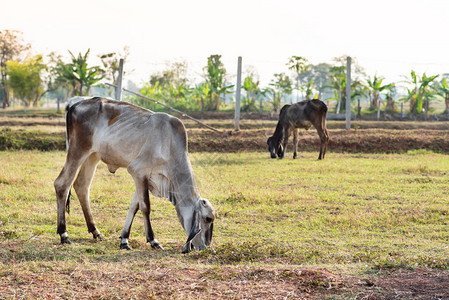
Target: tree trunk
[5,93]
[339,102]
[39,97]
[375,100]
[446,100]
[202,107]
[58,100]
[359,116]
[217,102]
[413,104]
[390,104]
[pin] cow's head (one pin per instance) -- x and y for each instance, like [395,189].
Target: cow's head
[275,147]
[200,235]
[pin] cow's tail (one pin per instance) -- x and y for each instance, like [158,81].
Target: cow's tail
[68,123]
[67,203]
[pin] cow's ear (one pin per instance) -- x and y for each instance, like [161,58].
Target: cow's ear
[194,231]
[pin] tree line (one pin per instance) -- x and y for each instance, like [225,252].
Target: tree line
[28,78]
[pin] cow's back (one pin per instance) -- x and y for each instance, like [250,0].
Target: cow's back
[119,131]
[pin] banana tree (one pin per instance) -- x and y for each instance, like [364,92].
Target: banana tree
[442,89]
[178,95]
[309,89]
[338,83]
[252,92]
[200,92]
[215,77]
[282,86]
[391,89]
[299,65]
[375,86]
[358,90]
[153,91]
[420,91]
[425,93]
[78,74]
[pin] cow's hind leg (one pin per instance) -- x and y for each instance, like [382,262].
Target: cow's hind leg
[324,138]
[82,186]
[295,143]
[62,186]
[326,141]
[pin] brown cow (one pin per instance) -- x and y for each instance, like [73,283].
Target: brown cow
[303,114]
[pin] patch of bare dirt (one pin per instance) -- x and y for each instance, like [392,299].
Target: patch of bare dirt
[421,283]
[340,140]
[171,283]
[223,283]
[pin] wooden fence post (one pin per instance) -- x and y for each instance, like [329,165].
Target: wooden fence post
[118,89]
[237,95]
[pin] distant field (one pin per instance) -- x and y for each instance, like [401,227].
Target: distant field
[36,130]
[351,226]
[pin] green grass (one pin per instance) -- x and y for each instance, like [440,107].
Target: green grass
[382,211]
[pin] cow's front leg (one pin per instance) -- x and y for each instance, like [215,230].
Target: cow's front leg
[141,200]
[284,143]
[129,221]
[145,208]
[82,185]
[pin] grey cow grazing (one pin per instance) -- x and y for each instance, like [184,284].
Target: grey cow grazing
[152,147]
[303,114]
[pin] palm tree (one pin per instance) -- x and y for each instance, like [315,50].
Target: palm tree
[442,89]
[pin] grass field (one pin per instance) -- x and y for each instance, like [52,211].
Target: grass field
[338,228]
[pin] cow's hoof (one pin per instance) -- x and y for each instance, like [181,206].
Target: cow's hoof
[125,246]
[98,237]
[155,245]
[65,240]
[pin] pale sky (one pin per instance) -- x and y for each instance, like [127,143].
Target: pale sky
[387,37]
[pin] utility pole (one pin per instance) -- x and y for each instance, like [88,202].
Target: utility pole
[348,93]
[237,95]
